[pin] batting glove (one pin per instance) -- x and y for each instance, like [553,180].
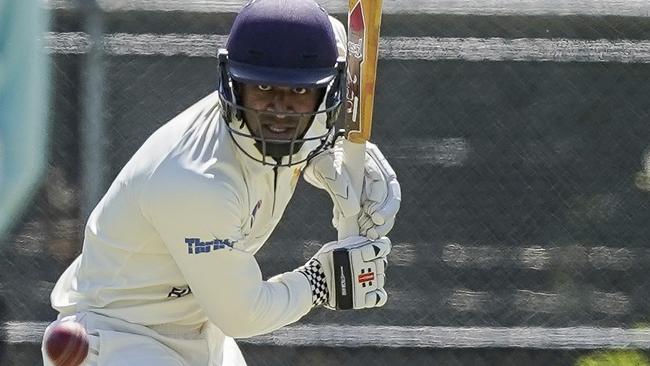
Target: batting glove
[380,197]
[349,274]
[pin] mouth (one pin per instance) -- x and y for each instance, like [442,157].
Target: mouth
[276,129]
[278,132]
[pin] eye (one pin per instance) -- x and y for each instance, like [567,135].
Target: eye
[299,90]
[264,87]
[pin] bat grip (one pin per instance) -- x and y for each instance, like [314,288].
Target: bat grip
[354,158]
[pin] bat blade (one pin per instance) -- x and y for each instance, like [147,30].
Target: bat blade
[364,21]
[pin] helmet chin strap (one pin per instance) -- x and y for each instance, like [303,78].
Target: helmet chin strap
[277,150]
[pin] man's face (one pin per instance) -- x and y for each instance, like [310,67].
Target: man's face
[276,104]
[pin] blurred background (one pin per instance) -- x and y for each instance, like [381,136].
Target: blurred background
[519,131]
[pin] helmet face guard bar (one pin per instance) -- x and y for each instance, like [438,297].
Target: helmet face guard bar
[276,149]
[273,150]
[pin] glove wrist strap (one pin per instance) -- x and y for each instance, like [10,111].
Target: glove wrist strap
[316,277]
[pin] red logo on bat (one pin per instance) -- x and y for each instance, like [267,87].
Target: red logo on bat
[365,277]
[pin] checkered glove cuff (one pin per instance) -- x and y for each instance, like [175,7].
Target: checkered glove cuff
[314,273]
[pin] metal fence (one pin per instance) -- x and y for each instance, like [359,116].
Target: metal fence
[519,132]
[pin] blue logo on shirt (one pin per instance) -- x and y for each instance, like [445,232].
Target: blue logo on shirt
[196,246]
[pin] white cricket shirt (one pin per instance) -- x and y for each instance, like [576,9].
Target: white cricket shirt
[173,239]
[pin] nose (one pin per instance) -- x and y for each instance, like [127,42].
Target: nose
[281,102]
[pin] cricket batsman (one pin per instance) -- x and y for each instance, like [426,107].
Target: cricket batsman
[167,274]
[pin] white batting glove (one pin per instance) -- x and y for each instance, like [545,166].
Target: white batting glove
[380,197]
[349,274]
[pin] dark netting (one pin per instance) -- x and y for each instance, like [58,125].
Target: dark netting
[519,134]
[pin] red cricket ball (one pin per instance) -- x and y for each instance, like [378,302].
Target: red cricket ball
[67,344]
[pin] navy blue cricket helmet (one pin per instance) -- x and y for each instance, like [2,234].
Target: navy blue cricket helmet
[288,43]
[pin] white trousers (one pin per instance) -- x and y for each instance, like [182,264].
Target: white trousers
[115,342]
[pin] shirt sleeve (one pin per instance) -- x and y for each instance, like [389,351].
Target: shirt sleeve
[199,219]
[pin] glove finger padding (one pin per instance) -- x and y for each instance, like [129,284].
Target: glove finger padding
[376,298]
[381,280]
[380,196]
[377,249]
[326,171]
[354,269]
[376,231]
[380,265]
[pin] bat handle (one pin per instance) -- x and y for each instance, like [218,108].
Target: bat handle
[354,157]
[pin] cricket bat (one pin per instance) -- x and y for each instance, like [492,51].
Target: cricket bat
[364,21]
